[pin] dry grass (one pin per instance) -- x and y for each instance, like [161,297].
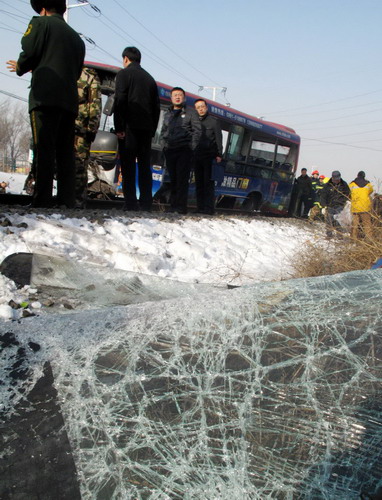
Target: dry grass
[340,254]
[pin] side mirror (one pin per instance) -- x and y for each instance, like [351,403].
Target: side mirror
[108,109]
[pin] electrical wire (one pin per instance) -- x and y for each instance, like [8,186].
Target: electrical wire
[19,78]
[341,117]
[9,28]
[147,50]
[340,144]
[324,103]
[17,10]
[15,16]
[13,95]
[165,44]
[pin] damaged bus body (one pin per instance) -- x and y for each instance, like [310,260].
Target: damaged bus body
[259,157]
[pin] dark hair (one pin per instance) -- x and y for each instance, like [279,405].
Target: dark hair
[177,88]
[55,6]
[201,100]
[304,169]
[132,53]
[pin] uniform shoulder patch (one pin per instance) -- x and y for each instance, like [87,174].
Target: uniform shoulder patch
[29,29]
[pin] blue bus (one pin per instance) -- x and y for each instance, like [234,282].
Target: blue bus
[259,157]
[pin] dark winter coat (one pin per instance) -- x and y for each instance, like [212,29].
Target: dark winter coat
[181,129]
[335,195]
[136,104]
[303,185]
[54,53]
[211,142]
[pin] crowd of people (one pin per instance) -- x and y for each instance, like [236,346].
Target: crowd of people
[65,111]
[317,196]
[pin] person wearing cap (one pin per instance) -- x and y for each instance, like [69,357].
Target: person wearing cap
[304,194]
[333,198]
[360,191]
[54,53]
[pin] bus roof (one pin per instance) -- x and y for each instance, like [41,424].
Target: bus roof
[219,110]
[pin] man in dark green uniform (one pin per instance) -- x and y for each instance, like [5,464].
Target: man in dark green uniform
[54,53]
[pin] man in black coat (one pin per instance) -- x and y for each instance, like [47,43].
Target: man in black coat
[180,135]
[54,53]
[333,198]
[209,149]
[304,194]
[136,115]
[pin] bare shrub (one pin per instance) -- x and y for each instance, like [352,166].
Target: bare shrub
[338,255]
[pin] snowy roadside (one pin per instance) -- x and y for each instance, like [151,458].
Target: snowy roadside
[218,250]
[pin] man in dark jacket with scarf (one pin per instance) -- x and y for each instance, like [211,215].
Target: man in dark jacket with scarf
[54,53]
[304,194]
[209,149]
[333,198]
[180,135]
[136,115]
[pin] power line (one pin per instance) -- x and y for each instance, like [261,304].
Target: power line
[355,133]
[15,16]
[153,56]
[341,144]
[341,117]
[344,126]
[337,109]
[13,95]
[19,78]
[165,44]
[324,103]
[8,28]
[17,10]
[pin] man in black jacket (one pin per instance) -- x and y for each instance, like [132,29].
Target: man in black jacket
[54,53]
[209,149]
[333,198]
[136,115]
[304,194]
[180,135]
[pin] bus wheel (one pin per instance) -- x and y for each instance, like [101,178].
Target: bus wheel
[252,202]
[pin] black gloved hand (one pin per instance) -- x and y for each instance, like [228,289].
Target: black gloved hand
[90,136]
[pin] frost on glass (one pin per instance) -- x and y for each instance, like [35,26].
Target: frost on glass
[270,391]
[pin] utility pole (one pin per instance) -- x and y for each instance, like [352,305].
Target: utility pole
[81,4]
[214,89]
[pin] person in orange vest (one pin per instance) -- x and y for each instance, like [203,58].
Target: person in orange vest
[360,191]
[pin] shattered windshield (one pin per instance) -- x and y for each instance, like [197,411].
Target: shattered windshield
[265,391]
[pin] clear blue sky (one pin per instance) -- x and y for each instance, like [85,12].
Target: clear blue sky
[313,65]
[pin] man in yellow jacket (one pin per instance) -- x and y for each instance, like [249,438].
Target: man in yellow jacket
[360,191]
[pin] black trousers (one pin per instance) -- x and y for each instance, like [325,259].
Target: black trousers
[205,187]
[304,202]
[53,146]
[136,147]
[178,162]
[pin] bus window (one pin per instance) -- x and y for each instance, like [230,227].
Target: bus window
[238,143]
[262,173]
[286,156]
[225,140]
[262,153]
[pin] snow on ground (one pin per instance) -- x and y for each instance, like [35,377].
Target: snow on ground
[218,250]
